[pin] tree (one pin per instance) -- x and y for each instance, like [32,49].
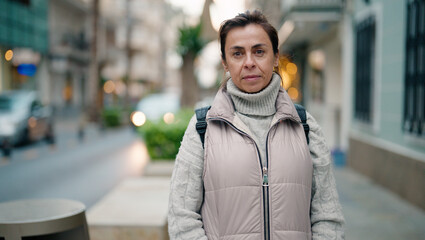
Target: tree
[92,99]
[189,46]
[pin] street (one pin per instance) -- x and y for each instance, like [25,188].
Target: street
[84,171]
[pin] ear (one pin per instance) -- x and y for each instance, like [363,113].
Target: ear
[276,60]
[223,62]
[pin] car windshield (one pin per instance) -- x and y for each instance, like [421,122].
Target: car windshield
[6,104]
[155,105]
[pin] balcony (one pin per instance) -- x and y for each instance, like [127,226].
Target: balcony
[313,4]
[306,21]
[312,10]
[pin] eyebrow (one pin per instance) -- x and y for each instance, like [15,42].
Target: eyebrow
[236,48]
[255,46]
[259,45]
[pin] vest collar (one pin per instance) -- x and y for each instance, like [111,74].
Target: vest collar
[224,108]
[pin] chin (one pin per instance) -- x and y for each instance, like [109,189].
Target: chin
[253,90]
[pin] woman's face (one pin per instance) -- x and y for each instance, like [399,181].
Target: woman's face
[249,58]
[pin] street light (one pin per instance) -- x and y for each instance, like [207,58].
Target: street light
[8,55]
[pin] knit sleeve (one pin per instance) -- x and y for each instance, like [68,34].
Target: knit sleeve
[327,221]
[186,191]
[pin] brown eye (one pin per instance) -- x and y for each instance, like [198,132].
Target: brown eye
[259,52]
[237,54]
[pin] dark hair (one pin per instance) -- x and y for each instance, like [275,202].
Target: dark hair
[242,20]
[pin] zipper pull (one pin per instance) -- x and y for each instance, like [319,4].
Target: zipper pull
[265,177]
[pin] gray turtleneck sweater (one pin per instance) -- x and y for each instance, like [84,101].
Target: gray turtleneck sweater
[256,111]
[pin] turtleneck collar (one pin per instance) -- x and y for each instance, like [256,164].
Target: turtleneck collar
[262,103]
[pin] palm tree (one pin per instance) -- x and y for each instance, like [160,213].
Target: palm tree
[189,46]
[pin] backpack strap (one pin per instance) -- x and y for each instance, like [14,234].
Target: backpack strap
[302,114]
[201,123]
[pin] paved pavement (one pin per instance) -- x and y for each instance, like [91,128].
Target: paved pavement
[374,213]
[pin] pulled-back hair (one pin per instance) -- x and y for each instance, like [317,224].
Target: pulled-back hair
[242,20]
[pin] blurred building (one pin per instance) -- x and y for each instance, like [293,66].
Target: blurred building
[47,46]
[140,30]
[360,72]
[386,93]
[311,36]
[69,52]
[23,44]
[271,8]
[44,48]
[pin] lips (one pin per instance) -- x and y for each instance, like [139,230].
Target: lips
[251,77]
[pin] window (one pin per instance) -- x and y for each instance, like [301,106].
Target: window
[23,2]
[364,69]
[414,81]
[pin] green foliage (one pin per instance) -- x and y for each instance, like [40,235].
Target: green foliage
[111,117]
[162,139]
[190,40]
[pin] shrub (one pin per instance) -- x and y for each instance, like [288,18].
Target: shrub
[111,117]
[162,139]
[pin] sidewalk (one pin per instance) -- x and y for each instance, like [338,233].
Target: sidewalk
[374,213]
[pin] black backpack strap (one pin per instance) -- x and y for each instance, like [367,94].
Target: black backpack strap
[302,114]
[201,124]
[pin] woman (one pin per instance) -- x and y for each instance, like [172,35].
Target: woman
[256,177]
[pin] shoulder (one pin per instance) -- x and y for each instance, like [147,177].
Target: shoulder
[312,123]
[191,136]
[191,127]
[191,150]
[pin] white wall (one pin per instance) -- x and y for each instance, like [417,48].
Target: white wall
[328,111]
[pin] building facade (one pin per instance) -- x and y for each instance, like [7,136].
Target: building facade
[363,77]
[140,38]
[46,43]
[69,52]
[311,35]
[23,44]
[387,137]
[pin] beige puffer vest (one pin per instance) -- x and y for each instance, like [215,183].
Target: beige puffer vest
[244,199]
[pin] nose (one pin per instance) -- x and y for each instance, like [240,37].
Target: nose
[249,61]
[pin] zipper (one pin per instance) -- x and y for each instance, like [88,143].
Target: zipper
[265,177]
[266,203]
[266,188]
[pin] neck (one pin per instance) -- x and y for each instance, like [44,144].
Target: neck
[257,104]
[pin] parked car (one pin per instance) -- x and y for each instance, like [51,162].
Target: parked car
[154,107]
[23,119]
